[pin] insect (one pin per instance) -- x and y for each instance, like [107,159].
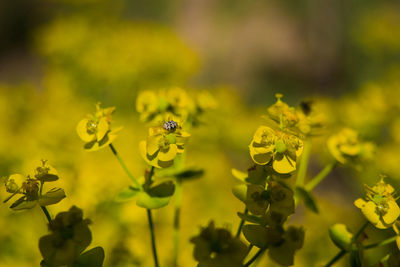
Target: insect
[170,125]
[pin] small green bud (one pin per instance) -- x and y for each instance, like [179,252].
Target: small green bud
[280,146]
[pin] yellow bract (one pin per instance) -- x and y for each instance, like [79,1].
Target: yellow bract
[276,146]
[346,147]
[95,130]
[162,146]
[380,208]
[161,105]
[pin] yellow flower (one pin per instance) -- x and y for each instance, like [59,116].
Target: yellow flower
[30,189]
[380,207]
[163,144]
[311,118]
[275,146]
[95,130]
[346,147]
[282,113]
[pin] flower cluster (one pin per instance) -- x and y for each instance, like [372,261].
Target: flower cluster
[163,144]
[347,148]
[276,147]
[70,236]
[379,207]
[30,188]
[95,129]
[216,247]
[156,106]
[269,203]
[281,147]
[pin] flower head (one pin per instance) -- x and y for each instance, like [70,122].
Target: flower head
[282,113]
[163,144]
[346,147]
[156,106]
[28,188]
[380,206]
[95,129]
[311,119]
[276,147]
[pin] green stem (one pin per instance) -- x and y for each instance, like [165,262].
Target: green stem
[46,212]
[343,252]
[336,258]
[382,243]
[114,151]
[301,176]
[260,252]
[359,232]
[178,204]
[153,238]
[320,176]
[151,225]
[239,230]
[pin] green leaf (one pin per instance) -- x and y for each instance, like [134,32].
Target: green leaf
[240,191]
[22,204]
[341,236]
[93,258]
[144,200]
[161,190]
[53,196]
[189,174]
[127,194]
[256,199]
[256,235]
[251,218]
[308,199]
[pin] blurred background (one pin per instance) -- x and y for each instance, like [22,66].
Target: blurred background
[58,58]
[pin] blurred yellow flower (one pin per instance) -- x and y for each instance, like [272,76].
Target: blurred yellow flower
[380,207]
[282,149]
[347,148]
[163,144]
[156,106]
[95,130]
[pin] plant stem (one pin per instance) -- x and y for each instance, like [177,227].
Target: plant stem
[359,232]
[153,238]
[151,226]
[336,258]
[301,175]
[320,176]
[114,151]
[261,251]
[46,212]
[178,203]
[239,230]
[382,243]
[343,252]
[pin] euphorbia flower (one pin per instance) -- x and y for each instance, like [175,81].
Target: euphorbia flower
[279,147]
[163,144]
[380,207]
[95,130]
[346,147]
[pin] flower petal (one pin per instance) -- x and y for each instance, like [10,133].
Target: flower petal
[392,213]
[283,164]
[82,132]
